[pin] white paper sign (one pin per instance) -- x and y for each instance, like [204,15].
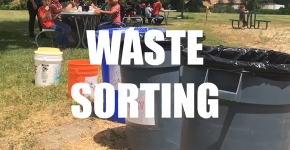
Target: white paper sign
[142,120]
[91,81]
[115,75]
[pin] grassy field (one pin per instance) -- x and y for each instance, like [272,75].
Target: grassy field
[40,118]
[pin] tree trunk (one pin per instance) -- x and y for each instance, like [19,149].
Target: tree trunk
[182,8]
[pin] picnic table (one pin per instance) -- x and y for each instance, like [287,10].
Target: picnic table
[166,14]
[90,21]
[252,21]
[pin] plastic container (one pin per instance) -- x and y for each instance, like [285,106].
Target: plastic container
[153,133]
[111,74]
[254,105]
[81,71]
[47,67]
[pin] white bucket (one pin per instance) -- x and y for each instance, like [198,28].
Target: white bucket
[47,68]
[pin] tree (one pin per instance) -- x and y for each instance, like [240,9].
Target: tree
[219,7]
[252,4]
[196,5]
[231,2]
[182,9]
[220,2]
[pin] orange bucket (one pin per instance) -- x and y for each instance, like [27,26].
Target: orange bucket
[79,63]
[81,71]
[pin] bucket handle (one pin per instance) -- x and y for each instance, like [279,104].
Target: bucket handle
[227,95]
[36,66]
[92,86]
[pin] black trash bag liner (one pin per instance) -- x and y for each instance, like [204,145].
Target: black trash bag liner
[182,39]
[264,63]
[165,44]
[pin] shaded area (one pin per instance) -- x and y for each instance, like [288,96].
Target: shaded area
[113,138]
[14,35]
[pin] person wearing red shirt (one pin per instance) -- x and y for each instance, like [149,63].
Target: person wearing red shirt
[57,9]
[157,7]
[46,20]
[114,10]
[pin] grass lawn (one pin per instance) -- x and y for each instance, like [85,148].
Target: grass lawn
[38,118]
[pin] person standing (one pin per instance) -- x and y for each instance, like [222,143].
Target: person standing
[32,6]
[242,16]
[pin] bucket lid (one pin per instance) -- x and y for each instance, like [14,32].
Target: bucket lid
[48,50]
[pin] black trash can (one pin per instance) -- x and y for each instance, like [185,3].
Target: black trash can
[159,133]
[254,100]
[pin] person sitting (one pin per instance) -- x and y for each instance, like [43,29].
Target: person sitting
[47,22]
[138,10]
[56,9]
[105,17]
[138,14]
[143,7]
[113,9]
[130,10]
[148,11]
[157,7]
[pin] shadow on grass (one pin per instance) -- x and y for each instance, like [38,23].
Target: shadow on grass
[14,36]
[114,138]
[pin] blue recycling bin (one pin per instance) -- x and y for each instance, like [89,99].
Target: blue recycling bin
[111,73]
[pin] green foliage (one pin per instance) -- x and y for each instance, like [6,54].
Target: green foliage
[252,4]
[270,11]
[219,8]
[175,4]
[228,9]
[10,5]
[195,6]
[220,2]
[231,2]
[5,2]
[191,6]
[281,11]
